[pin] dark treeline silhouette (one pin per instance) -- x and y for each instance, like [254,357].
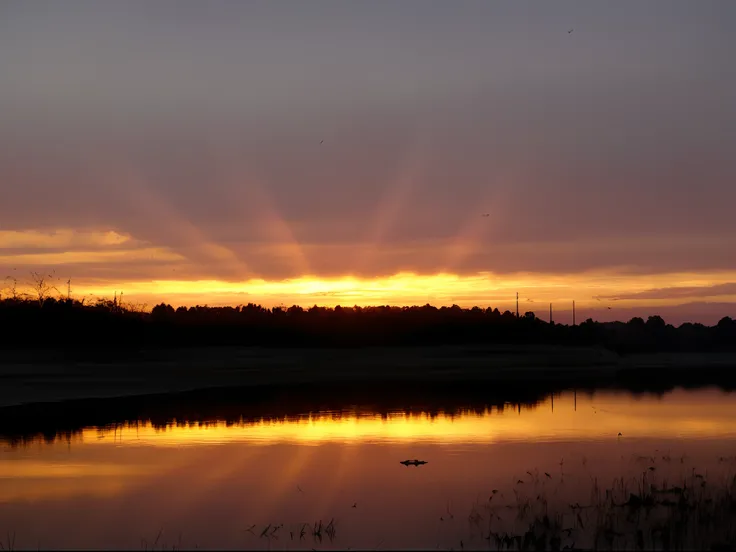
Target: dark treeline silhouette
[72,324]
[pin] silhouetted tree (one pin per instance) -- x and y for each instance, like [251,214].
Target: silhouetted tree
[656,322]
[726,322]
[162,311]
[76,324]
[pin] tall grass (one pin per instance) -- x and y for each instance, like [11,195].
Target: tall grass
[693,512]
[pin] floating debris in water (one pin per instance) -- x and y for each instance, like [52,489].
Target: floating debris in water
[414,462]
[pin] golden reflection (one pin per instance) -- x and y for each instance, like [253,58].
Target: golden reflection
[584,418]
[58,489]
[50,470]
[38,479]
[199,461]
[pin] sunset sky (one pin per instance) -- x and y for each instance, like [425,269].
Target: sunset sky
[344,152]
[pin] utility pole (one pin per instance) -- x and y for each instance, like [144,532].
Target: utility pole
[550,313]
[517,304]
[573,312]
[69,289]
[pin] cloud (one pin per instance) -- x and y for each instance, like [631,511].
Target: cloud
[74,251]
[66,258]
[370,192]
[197,255]
[680,292]
[64,239]
[248,142]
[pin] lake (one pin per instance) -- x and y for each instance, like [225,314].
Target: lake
[566,464]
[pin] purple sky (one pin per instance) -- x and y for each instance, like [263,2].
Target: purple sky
[195,127]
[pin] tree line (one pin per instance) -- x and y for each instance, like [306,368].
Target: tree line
[75,324]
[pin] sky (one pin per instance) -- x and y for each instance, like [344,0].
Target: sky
[332,152]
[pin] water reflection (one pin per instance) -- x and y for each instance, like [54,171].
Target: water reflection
[705,414]
[215,484]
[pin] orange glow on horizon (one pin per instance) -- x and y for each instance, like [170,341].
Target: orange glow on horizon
[96,261]
[535,290]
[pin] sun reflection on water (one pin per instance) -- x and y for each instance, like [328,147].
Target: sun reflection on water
[559,418]
[212,480]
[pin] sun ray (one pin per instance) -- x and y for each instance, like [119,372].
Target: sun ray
[490,216]
[395,201]
[248,187]
[146,199]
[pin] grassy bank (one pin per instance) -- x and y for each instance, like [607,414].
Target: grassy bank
[32,376]
[647,512]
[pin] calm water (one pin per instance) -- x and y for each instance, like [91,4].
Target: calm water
[217,486]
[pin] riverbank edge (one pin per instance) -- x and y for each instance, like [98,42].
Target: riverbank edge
[47,377]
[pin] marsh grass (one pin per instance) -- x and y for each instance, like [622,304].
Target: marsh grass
[9,543]
[693,511]
[159,543]
[298,532]
[667,505]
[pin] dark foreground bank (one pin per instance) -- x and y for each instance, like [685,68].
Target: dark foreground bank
[29,376]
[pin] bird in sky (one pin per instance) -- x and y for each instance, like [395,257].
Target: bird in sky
[486,215]
[320,142]
[568,32]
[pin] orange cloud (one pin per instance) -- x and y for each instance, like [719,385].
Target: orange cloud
[105,262]
[60,239]
[84,257]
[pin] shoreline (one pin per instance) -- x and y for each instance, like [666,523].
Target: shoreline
[55,399]
[47,377]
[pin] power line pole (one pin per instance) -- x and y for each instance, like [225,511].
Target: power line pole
[517,304]
[69,289]
[573,312]
[550,313]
